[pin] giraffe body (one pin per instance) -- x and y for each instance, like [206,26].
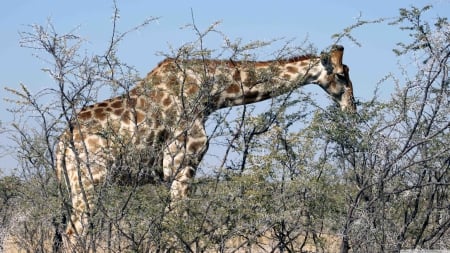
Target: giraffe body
[165,114]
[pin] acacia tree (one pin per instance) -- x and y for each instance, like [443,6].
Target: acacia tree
[394,156]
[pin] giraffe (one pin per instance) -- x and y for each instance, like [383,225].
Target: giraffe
[165,115]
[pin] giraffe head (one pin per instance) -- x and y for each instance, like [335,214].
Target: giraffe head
[336,81]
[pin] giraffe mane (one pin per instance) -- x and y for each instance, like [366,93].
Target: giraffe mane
[298,58]
[232,62]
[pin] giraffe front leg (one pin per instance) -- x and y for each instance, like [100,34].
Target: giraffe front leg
[181,158]
[179,167]
[180,184]
[177,174]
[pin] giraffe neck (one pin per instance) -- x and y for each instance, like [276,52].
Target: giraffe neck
[250,82]
[219,84]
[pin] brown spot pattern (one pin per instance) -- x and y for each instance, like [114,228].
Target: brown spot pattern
[117,104]
[93,143]
[84,115]
[193,89]
[140,117]
[304,63]
[233,89]
[100,114]
[292,69]
[251,96]
[126,117]
[76,137]
[173,81]
[195,146]
[118,112]
[237,75]
[167,101]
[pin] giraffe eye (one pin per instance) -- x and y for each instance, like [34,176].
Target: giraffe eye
[341,77]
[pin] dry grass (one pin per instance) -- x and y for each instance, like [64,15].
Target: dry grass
[324,243]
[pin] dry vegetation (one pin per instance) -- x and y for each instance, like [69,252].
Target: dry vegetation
[296,178]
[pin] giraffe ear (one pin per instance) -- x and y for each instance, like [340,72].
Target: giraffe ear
[336,55]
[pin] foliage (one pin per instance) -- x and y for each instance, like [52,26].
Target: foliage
[291,179]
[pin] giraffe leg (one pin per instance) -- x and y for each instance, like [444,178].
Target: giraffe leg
[180,185]
[82,197]
[181,160]
[178,175]
[81,180]
[82,203]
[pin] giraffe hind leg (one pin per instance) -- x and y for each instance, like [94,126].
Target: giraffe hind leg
[82,195]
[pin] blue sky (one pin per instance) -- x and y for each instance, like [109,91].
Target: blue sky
[249,20]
